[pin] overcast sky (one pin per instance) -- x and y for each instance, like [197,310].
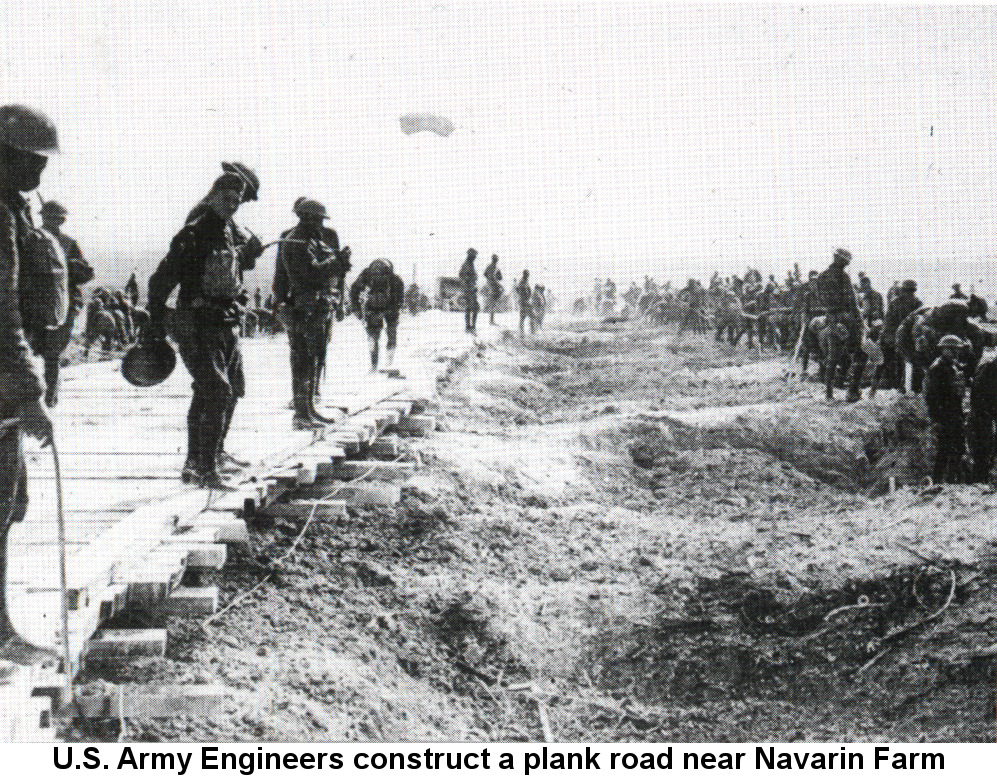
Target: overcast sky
[591,139]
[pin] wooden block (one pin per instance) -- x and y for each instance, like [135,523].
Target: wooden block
[150,581]
[193,601]
[386,415]
[372,470]
[226,527]
[113,644]
[112,601]
[419,425]
[210,556]
[302,509]
[401,406]
[361,493]
[386,446]
[324,451]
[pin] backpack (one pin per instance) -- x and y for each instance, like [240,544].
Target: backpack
[43,283]
[379,288]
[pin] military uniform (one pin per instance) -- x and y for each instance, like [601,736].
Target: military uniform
[80,273]
[837,296]
[377,296]
[494,289]
[525,295]
[943,393]
[305,286]
[469,280]
[891,371]
[207,260]
[19,381]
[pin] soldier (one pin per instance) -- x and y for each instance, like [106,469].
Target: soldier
[943,394]
[538,308]
[250,190]
[79,273]
[957,292]
[871,300]
[412,298]
[377,296]
[131,290]
[27,137]
[524,293]
[493,293]
[844,323]
[100,324]
[468,277]
[305,282]
[890,374]
[207,259]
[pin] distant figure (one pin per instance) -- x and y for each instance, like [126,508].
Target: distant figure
[377,296]
[870,301]
[413,297]
[524,294]
[538,308]
[469,281]
[891,373]
[493,291]
[100,325]
[79,273]
[131,290]
[258,298]
[843,331]
[609,297]
[943,393]
[957,292]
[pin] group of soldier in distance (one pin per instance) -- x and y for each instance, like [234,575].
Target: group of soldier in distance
[842,327]
[823,318]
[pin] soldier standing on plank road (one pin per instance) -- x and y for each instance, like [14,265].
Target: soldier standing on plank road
[377,296]
[207,260]
[27,137]
[305,285]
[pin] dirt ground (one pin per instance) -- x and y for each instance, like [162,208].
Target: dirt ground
[630,537]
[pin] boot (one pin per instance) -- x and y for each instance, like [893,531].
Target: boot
[374,344]
[391,358]
[316,417]
[210,441]
[225,461]
[302,420]
[191,472]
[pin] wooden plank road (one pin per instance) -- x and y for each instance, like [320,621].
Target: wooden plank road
[121,450]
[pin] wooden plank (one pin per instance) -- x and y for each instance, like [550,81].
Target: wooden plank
[201,554]
[387,446]
[302,509]
[361,493]
[226,527]
[372,470]
[192,601]
[418,425]
[114,644]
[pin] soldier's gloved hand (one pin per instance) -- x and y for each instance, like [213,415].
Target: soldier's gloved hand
[35,421]
[253,249]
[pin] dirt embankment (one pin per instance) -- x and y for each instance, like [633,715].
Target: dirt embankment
[640,538]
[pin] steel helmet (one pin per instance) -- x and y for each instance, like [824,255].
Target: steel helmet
[149,363]
[28,130]
[950,341]
[247,175]
[312,208]
[54,208]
